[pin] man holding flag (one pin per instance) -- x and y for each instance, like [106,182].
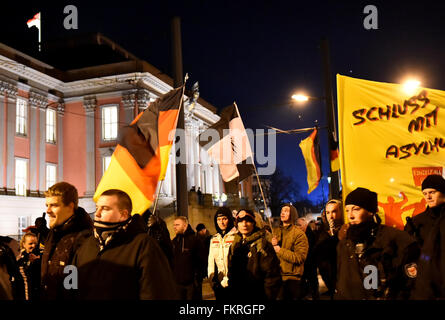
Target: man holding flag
[120,260]
[128,261]
[141,157]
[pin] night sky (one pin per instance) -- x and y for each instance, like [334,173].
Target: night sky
[259,53]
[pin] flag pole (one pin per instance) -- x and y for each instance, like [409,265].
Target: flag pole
[157,197]
[256,173]
[40,33]
[179,109]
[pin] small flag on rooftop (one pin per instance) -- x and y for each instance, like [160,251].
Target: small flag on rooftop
[36,22]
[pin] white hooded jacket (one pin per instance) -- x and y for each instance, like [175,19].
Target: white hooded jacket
[218,255]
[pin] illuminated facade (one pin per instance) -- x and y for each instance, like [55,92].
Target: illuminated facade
[62,126]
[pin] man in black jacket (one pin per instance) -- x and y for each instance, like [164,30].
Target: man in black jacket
[254,268]
[429,229]
[325,251]
[120,261]
[188,259]
[373,261]
[67,221]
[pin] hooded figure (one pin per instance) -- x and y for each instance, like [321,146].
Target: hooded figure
[429,229]
[325,251]
[374,261]
[220,243]
[291,246]
[254,269]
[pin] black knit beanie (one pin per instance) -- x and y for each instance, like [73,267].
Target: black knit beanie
[434,181]
[363,198]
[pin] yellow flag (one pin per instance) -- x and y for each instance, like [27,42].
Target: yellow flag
[311,153]
[390,141]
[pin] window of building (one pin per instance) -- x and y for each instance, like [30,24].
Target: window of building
[23,223]
[51,175]
[109,122]
[105,163]
[50,125]
[21,117]
[21,176]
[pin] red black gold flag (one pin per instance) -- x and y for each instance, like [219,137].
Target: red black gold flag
[141,157]
[333,155]
[230,147]
[310,148]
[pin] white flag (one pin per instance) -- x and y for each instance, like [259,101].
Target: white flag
[35,21]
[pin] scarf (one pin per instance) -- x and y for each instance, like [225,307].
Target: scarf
[104,232]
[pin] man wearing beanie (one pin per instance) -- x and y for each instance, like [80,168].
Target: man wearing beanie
[291,246]
[220,243]
[391,252]
[121,261]
[254,269]
[428,228]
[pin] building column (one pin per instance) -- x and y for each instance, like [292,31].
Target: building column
[59,139]
[42,147]
[129,104]
[2,139]
[90,104]
[36,131]
[143,99]
[173,171]
[11,91]
[189,154]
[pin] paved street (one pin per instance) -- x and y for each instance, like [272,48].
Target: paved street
[207,292]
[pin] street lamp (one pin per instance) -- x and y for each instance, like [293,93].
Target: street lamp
[334,186]
[410,86]
[300,97]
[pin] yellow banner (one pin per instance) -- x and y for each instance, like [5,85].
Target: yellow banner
[390,141]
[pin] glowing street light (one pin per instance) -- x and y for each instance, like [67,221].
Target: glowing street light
[410,87]
[300,97]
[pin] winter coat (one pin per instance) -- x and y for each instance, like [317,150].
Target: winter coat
[5,285]
[218,262]
[129,265]
[293,252]
[157,229]
[428,228]
[12,280]
[389,250]
[60,246]
[325,256]
[30,271]
[188,258]
[254,269]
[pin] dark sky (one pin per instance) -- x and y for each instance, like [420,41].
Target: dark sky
[258,53]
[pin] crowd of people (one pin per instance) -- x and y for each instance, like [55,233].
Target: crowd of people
[122,256]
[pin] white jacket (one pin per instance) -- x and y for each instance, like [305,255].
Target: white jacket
[219,254]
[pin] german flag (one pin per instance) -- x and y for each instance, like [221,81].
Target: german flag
[141,157]
[310,148]
[333,155]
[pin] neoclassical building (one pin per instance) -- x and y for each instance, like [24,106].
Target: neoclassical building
[61,124]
